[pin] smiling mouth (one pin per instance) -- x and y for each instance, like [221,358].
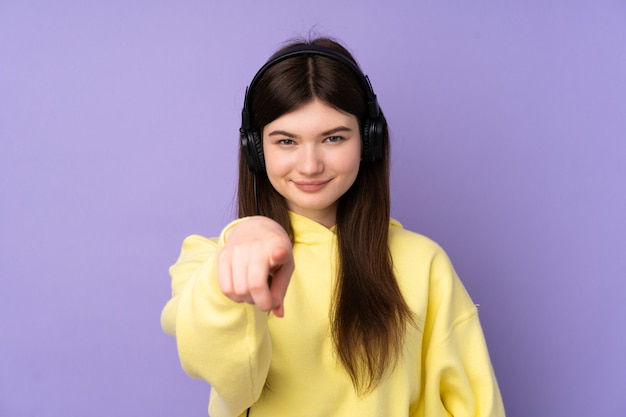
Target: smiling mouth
[310,186]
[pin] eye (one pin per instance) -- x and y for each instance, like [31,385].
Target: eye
[285,142]
[334,139]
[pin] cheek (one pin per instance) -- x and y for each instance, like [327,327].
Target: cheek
[276,167]
[349,162]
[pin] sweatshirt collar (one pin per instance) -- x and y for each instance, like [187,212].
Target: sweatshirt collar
[309,231]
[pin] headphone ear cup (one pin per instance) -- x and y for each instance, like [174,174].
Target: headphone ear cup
[253,149]
[373,134]
[365,140]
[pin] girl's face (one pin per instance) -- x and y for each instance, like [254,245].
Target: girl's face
[312,157]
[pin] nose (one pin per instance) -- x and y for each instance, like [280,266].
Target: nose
[310,161]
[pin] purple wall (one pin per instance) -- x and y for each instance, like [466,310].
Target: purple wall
[118,132]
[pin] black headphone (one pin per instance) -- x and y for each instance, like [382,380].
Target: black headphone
[373,126]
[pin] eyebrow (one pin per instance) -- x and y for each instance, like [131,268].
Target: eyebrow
[327,133]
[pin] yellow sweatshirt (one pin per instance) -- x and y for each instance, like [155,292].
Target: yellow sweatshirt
[287,366]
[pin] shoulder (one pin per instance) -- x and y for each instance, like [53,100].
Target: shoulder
[415,254]
[406,242]
[426,273]
[195,249]
[193,242]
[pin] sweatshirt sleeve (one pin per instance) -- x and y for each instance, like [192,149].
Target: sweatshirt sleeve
[223,342]
[459,378]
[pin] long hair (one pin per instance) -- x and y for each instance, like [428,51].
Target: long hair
[369,315]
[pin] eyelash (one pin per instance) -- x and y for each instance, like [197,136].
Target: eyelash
[334,139]
[331,139]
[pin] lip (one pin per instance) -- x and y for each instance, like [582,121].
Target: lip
[310,186]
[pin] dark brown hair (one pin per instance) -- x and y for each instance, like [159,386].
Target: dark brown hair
[369,315]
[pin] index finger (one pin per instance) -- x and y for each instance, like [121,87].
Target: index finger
[280,281]
[258,286]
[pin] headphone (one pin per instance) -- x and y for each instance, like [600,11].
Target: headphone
[373,126]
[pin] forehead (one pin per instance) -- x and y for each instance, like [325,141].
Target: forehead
[314,113]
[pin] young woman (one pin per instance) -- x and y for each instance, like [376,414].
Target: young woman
[314,302]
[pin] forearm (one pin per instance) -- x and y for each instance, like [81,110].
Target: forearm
[221,341]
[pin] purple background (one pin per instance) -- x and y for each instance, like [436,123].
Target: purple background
[118,134]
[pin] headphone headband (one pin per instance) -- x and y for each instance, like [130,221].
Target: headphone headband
[372,103]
